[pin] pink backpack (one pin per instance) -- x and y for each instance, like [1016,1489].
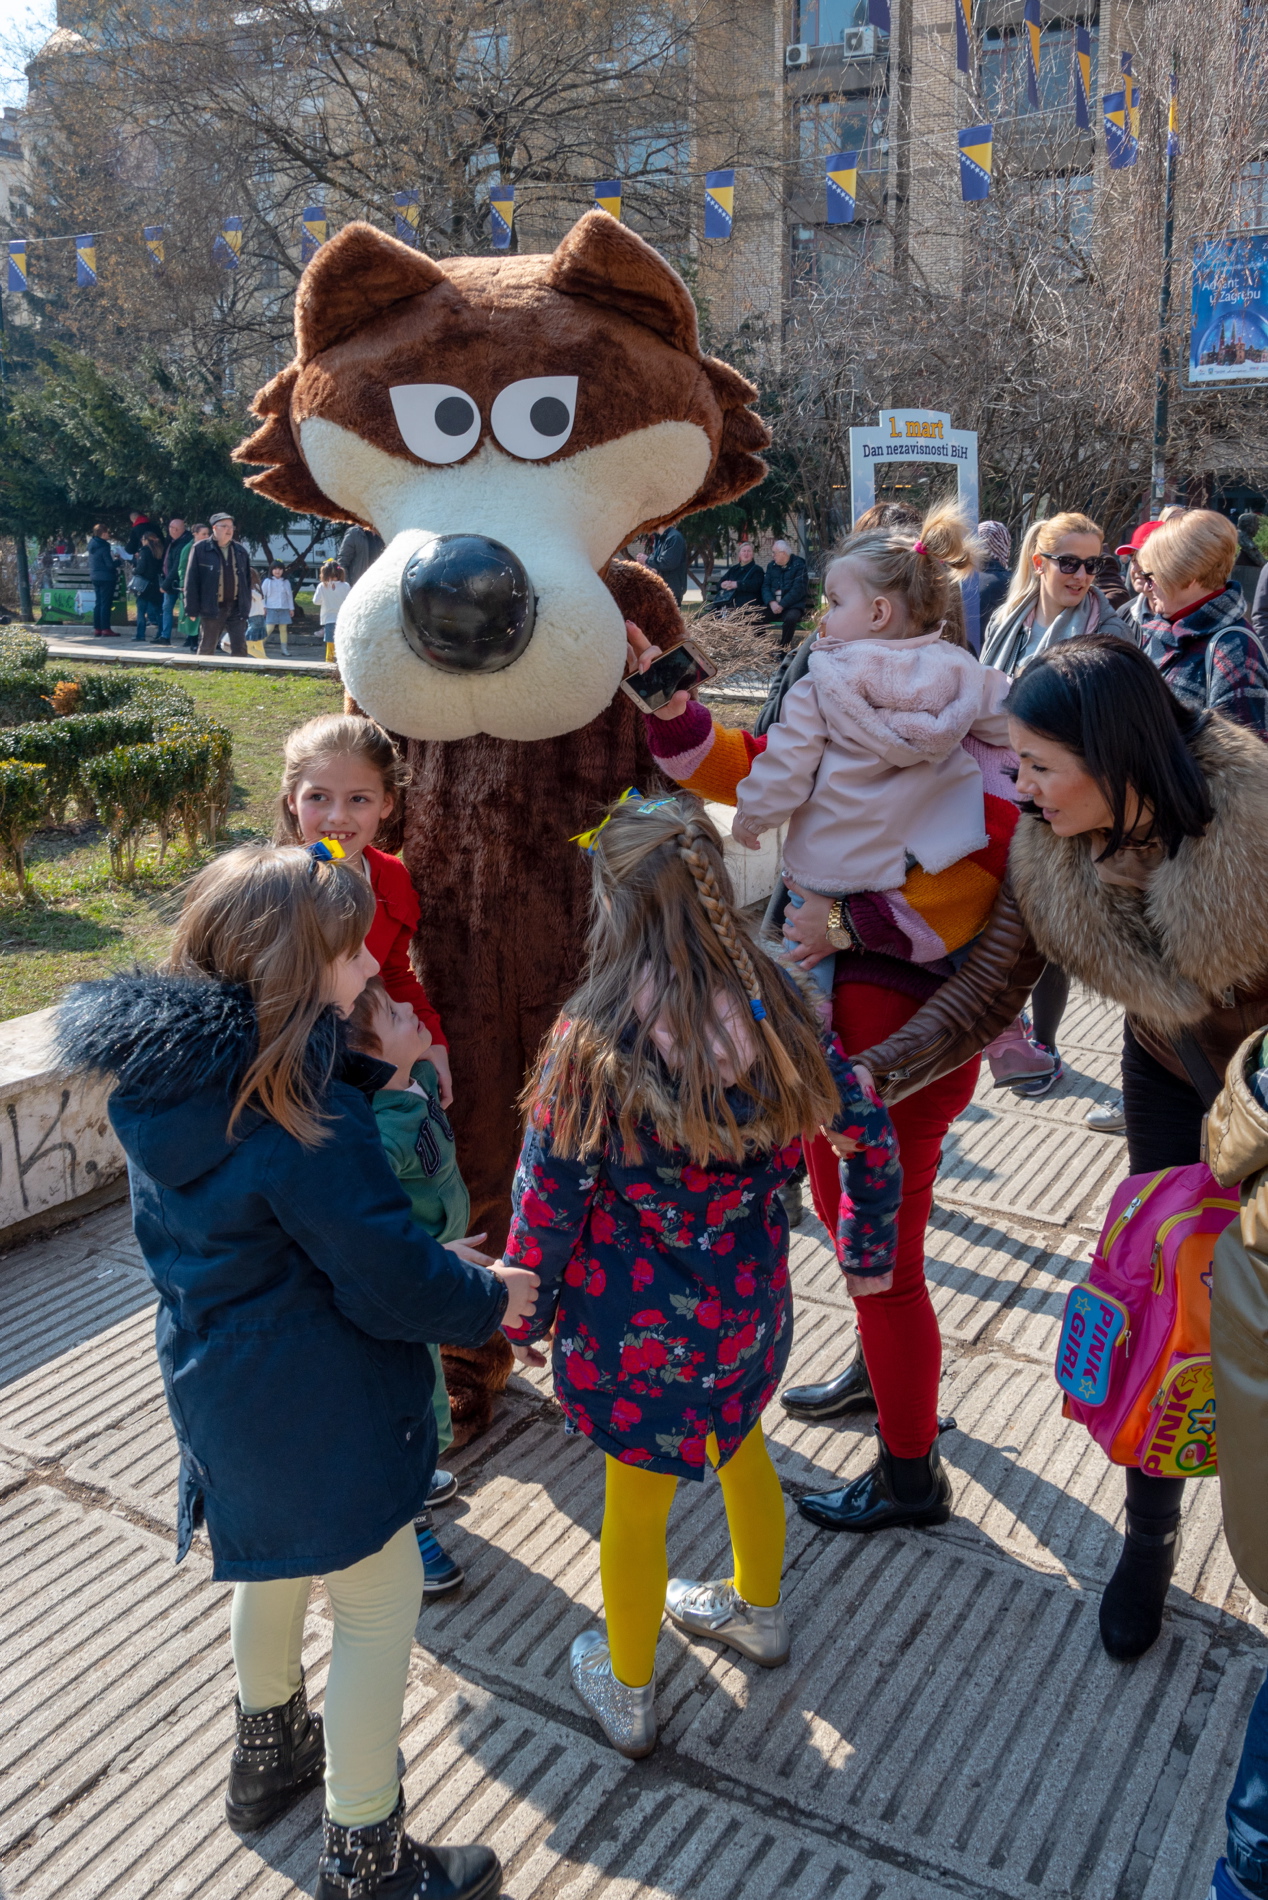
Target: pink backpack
[1134,1357]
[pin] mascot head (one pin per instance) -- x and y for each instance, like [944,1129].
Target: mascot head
[506,424]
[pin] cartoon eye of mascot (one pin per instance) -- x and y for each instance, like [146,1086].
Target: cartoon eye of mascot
[506,424]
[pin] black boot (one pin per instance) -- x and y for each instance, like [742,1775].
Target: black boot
[895,1491]
[850,1391]
[1131,1608]
[278,1754]
[382,1860]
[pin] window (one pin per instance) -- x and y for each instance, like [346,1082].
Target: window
[856,123]
[823,22]
[482,168]
[829,257]
[1250,197]
[653,149]
[487,53]
[1003,70]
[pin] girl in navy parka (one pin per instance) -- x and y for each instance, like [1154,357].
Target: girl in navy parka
[666,1116]
[297,1298]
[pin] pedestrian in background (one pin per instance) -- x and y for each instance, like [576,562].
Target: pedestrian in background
[279,604]
[358,551]
[103,572]
[331,591]
[188,628]
[996,574]
[741,585]
[785,592]
[178,540]
[147,572]
[668,556]
[1197,632]
[218,588]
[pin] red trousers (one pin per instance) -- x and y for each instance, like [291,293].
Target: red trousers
[898,1329]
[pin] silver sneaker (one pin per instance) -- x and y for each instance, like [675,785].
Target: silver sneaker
[1108,1118]
[719,1611]
[626,1716]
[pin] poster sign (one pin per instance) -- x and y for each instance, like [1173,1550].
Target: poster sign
[1228,342]
[919,435]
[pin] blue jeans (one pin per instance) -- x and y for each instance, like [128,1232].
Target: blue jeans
[169,615]
[1247,1811]
[147,610]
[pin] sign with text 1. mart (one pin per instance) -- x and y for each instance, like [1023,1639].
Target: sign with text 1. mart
[1228,342]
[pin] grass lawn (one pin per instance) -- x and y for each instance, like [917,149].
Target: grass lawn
[85,923]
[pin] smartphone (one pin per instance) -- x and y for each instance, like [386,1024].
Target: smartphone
[681,666]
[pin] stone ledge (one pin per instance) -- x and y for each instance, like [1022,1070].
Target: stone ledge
[59,1156]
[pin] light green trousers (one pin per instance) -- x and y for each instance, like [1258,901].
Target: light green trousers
[376,1605]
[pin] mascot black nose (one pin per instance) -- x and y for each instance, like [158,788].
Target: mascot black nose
[466,604]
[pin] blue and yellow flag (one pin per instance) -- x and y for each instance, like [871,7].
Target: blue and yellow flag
[1030,15]
[86,261]
[963,36]
[408,213]
[607,195]
[227,248]
[1083,78]
[17,264]
[1173,119]
[1131,94]
[975,162]
[501,215]
[843,186]
[1121,148]
[153,235]
[719,204]
[313,232]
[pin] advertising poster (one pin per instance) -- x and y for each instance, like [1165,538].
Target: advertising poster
[1228,342]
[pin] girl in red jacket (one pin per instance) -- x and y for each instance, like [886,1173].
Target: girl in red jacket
[341,780]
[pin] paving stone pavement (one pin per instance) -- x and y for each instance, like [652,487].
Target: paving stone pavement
[948,1723]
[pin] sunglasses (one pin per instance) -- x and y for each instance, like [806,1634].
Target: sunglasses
[1070,563]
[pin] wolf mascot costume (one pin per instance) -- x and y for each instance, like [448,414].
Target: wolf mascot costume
[506,424]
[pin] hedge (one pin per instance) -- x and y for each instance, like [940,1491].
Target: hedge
[22,651]
[23,803]
[63,747]
[24,695]
[140,788]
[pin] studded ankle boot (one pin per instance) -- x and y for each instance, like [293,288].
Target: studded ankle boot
[382,1862]
[278,1753]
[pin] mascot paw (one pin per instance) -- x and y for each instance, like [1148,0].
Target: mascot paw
[474,1375]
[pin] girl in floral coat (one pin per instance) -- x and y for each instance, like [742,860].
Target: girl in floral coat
[664,1119]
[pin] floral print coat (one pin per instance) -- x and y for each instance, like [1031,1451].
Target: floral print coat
[667,1283]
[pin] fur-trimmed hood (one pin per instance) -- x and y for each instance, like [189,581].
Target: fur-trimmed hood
[178,1048]
[1170,953]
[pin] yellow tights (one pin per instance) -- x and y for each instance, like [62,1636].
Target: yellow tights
[632,1559]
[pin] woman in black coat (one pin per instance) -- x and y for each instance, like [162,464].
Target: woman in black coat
[103,572]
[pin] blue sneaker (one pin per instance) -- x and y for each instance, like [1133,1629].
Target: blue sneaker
[1043,1084]
[1225,1884]
[440,1573]
[443,1487]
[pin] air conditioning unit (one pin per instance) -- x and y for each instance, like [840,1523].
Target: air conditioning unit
[798,55]
[860,42]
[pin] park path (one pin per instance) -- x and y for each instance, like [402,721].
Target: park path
[948,1723]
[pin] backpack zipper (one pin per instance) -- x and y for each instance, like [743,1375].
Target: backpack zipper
[1132,1207]
[1190,1213]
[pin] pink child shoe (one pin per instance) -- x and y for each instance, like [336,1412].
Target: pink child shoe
[1014,1058]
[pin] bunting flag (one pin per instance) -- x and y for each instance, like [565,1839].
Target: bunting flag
[1173,119]
[86,261]
[1131,92]
[719,204]
[1120,147]
[501,215]
[607,195]
[975,162]
[314,232]
[963,35]
[17,264]
[843,185]
[227,248]
[1083,78]
[878,15]
[408,212]
[1030,14]
[153,235]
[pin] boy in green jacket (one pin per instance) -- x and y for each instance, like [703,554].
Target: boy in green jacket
[419,1145]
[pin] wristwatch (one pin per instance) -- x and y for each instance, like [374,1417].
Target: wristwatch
[840,931]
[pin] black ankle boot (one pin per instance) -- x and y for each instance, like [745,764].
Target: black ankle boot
[1131,1608]
[850,1391]
[278,1754]
[870,1502]
[359,1862]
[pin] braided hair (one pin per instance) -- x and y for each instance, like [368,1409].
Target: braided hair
[664,926]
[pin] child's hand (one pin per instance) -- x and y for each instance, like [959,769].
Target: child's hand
[468,1249]
[859,1285]
[745,832]
[438,1056]
[866,1081]
[842,1146]
[528,1355]
[639,654]
[521,1287]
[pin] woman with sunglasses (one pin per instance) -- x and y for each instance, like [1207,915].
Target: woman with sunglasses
[1195,627]
[1053,597]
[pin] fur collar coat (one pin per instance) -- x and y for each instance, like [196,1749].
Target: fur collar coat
[1190,952]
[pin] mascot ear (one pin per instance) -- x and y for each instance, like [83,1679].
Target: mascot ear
[604,260]
[356,276]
